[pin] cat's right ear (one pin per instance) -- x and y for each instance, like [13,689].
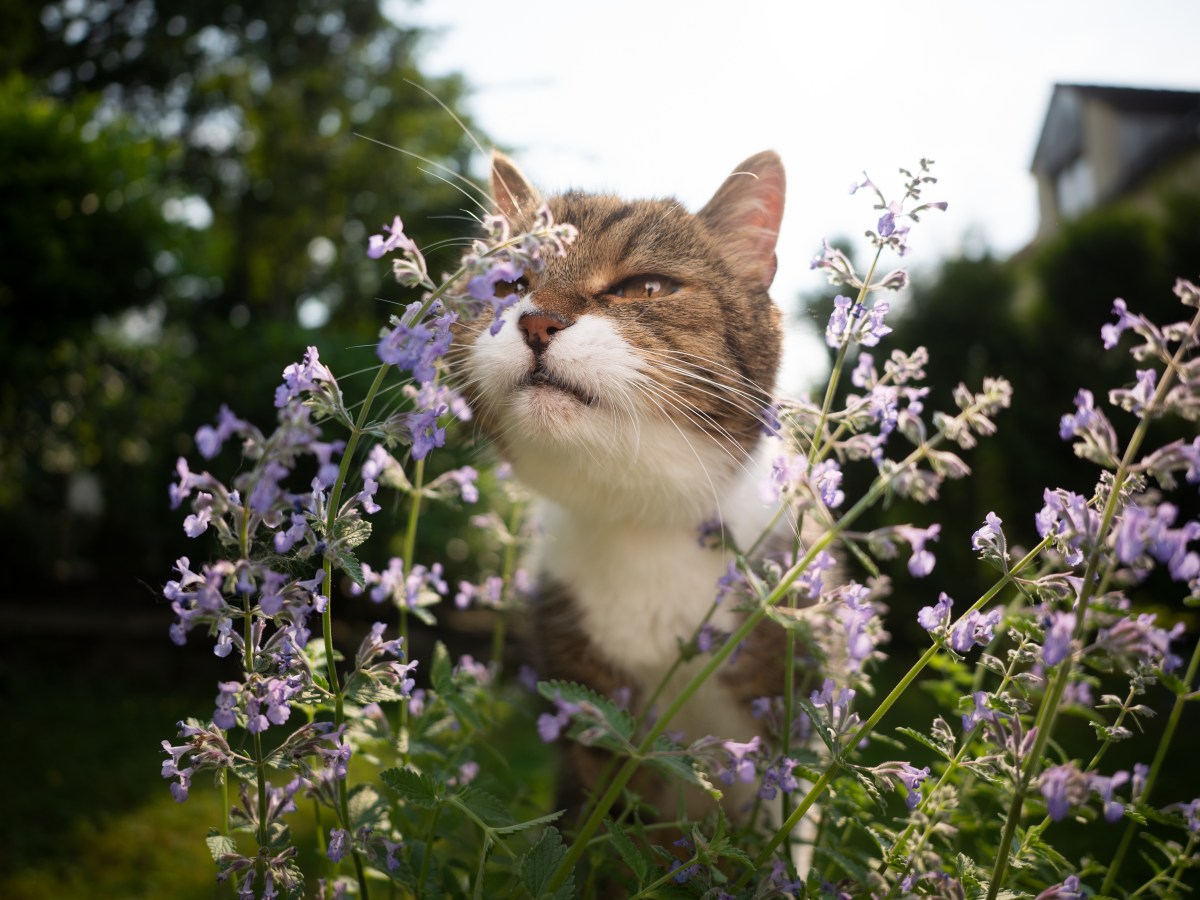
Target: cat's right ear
[511,191]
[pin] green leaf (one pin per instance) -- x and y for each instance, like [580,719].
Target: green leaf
[926,741]
[488,807]
[219,845]
[537,866]
[628,850]
[596,705]
[413,787]
[367,806]
[362,688]
[441,671]
[466,713]
[522,826]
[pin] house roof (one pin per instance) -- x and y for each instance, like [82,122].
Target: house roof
[1061,139]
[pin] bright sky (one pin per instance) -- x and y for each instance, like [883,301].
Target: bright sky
[649,98]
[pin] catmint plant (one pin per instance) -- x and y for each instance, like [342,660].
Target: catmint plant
[395,757]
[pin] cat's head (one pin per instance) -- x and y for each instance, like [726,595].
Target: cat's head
[631,376]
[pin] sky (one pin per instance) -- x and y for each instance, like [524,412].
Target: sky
[656,98]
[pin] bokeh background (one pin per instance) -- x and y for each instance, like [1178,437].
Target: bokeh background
[186,190]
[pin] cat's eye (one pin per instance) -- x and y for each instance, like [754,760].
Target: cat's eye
[505,288]
[643,287]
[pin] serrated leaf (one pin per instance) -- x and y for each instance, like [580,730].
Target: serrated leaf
[926,741]
[363,689]
[522,826]
[569,692]
[628,850]
[487,807]
[367,806]
[413,787]
[539,864]
[464,711]
[219,844]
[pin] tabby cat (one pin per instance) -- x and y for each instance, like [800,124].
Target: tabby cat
[627,389]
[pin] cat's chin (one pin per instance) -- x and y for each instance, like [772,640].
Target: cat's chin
[543,386]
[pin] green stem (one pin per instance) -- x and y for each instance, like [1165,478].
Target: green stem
[425,857]
[335,687]
[835,375]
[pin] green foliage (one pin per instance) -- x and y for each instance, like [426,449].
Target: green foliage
[178,183]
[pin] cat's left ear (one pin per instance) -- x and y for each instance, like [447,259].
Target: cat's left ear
[746,212]
[511,191]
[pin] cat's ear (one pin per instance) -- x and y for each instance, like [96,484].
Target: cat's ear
[745,212]
[511,191]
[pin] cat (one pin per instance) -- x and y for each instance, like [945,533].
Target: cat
[627,389]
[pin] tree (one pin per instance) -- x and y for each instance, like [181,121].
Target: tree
[219,197]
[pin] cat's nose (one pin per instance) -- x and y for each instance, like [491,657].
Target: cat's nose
[539,328]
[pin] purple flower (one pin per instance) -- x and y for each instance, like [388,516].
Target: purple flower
[857,613]
[1062,787]
[417,345]
[1084,417]
[1190,811]
[1111,333]
[550,725]
[426,432]
[302,376]
[1068,889]
[979,712]
[989,540]
[739,767]
[338,838]
[1104,786]
[1137,398]
[1057,645]
[779,777]
[975,628]
[395,239]
[936,616]
[887,222]
[209,439]
[922,561]
[225,715]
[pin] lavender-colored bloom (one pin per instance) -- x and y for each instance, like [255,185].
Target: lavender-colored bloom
[1082,419]
[938,615]
[417,345]
[1062,787]
[826,478]
[856,613]
[1057,645]
[1104,787]
[301,377]
[1111,333]
[975,628]
[922,561]
[990,538]
[1138,398]
[209,439]
[887,222]
[225,714]
[864,375]
[740,768]
[426,432]
[393,238]
[338,839]
[979,712]
[1068,889]
[779,777]
[1191,812]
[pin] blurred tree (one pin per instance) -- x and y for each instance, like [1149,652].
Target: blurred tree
[189,171]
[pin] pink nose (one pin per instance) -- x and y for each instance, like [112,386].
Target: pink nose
[539,328]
